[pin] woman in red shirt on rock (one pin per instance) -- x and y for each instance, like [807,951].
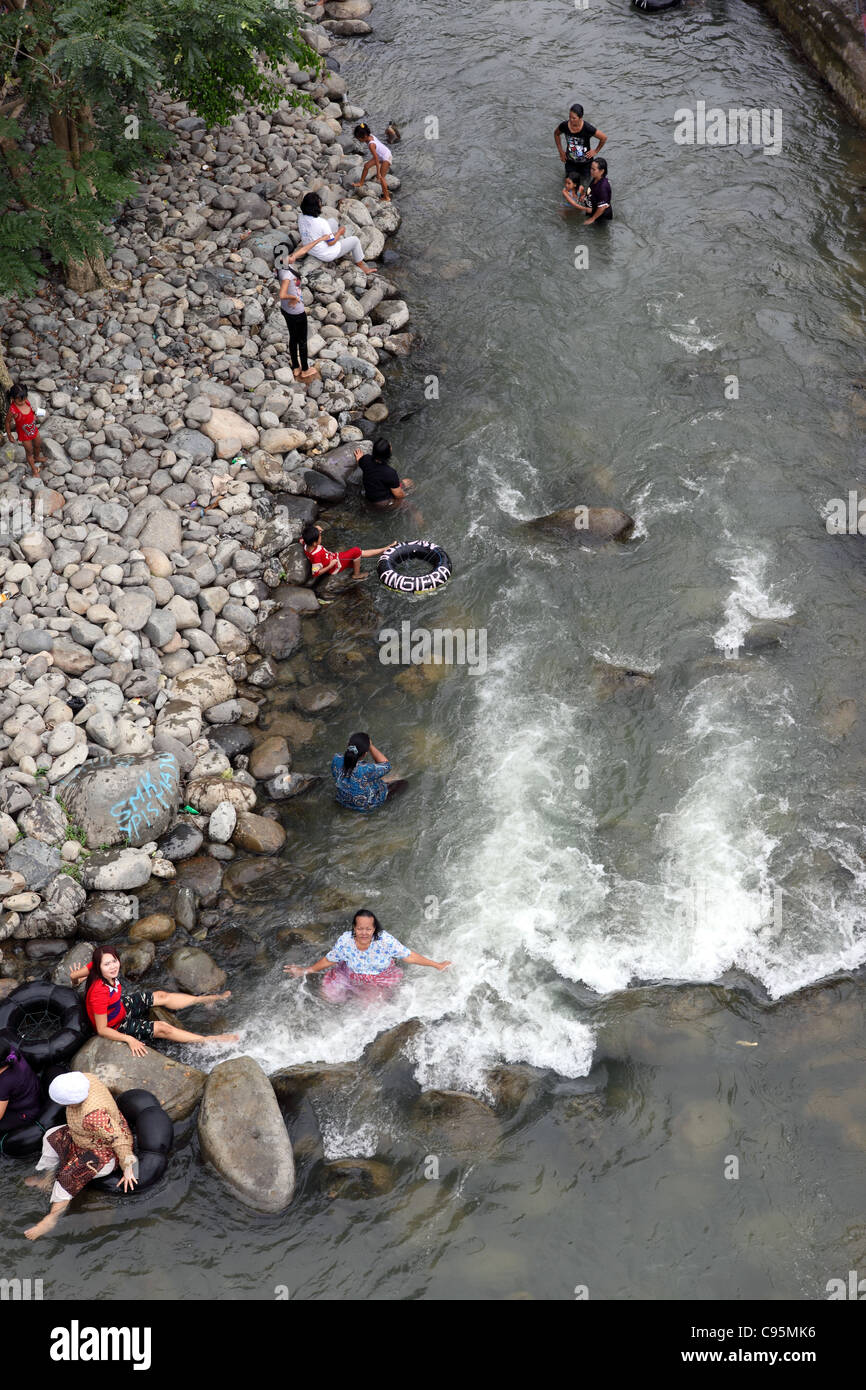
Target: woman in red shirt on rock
[22,415]
[124,1016]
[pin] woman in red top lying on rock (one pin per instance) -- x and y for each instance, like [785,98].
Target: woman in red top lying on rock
[124,1016]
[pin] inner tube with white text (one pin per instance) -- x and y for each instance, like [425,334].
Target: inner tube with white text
[401,552]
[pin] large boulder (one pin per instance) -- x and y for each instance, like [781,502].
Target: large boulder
[278,635]
[595,523]
[205,685]
[44,820]
[195,972]
[243,1135]
[340,463]
[176,1085]
[117,871]
[226,426]
[35,861]
[106,914]
[258,834]
[123,800]
[454,1122]
[206,793]
[268,757]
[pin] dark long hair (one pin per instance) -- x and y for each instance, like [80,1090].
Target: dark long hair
[602,164]
[365,912]
[311,205]
[9,1053]
[95,973]
[358,745]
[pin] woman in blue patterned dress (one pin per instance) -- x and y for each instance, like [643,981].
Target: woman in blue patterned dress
[362,961]
[359,785]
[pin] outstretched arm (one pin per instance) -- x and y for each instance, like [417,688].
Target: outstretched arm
[413,958]
[299,970]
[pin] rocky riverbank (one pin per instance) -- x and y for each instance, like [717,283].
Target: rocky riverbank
[150,583]
[830,34]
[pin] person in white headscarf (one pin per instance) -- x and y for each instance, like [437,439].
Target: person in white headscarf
[94,1141]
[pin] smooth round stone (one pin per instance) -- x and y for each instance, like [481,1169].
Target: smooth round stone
[231,738]
[258,834]
[135,960]
[180,842]
[158,926]
[314,698]
[269,755]
[204,876]
[35,640]
[45,949]
[222,823]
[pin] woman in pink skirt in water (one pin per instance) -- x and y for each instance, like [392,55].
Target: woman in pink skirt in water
[362,962]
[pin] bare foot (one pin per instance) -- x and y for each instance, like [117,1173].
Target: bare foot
[310,374]
[42,1227]
[296,371]
[214,998]
[386,197]
[44,1182]
[224,1037]
[359,578]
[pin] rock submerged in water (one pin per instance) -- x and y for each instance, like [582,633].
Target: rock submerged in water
[356,1178]
[243,1135]
[176,1085]
[455,1122]
[609,680]
[195,972]
[158,926]
[126,800]
[258,834]
[595,523]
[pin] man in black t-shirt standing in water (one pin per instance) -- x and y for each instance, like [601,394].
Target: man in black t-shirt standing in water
[572,139]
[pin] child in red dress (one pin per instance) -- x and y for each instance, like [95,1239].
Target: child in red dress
[22,415]
[330,561]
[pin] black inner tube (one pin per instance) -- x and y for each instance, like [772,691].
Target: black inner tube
[38,1023]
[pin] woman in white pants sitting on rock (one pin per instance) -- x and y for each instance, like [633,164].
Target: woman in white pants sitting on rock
[312,225]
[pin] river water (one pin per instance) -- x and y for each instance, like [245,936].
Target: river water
[652,890]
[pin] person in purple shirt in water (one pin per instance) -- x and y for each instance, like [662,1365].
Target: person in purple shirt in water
[598,194]
[20,1101]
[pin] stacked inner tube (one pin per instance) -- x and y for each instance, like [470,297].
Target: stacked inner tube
[152,1131]
[47,1021]
[398,554]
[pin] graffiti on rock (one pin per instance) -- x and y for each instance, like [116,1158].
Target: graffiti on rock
[151,796]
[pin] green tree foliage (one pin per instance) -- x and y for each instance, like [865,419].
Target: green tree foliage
[75,123]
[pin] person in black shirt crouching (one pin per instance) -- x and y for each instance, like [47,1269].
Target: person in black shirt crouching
[383,486]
